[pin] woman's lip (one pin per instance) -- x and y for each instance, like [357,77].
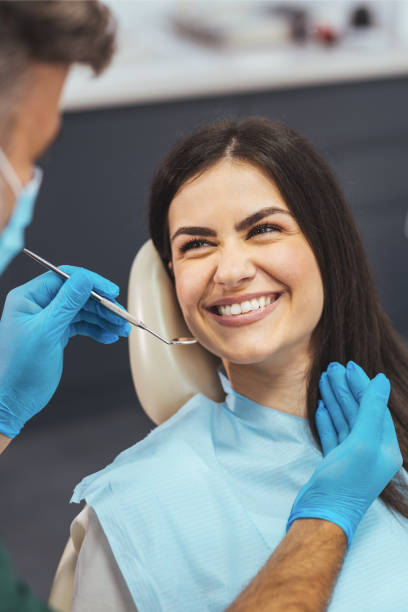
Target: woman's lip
[245,319]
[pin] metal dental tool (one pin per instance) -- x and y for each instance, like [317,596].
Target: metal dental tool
[111,306]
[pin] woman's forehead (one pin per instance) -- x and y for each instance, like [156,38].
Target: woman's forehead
[229,188]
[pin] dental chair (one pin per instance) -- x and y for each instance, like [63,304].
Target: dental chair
[165,377]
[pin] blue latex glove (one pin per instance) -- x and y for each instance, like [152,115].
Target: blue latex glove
[38,320]
[360,446]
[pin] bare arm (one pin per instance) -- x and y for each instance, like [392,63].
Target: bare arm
[301,573]
[4,442]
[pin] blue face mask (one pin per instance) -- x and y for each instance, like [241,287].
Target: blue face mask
[12,237]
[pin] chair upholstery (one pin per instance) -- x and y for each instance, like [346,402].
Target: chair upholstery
[165,377]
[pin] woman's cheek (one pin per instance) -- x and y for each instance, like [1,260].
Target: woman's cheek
[187,291]
[285,264]
[304,279]
[295,262]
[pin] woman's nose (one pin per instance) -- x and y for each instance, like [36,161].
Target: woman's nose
[233,267]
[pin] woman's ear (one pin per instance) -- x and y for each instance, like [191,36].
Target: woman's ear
[170,267]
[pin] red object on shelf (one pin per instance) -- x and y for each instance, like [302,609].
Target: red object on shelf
[326,34]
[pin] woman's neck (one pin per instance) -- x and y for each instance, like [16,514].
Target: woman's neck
[282,386]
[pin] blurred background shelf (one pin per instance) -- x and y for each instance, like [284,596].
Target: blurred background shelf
[204,76]
[174,49]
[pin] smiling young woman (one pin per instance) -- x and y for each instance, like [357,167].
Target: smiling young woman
[209,221]
[246,246]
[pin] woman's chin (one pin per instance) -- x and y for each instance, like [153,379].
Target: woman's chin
[241,354]
[243,348]
[245,357]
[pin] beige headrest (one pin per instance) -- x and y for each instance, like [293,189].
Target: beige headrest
[165,376]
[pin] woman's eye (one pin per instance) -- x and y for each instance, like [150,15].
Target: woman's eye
[265,228]
[193,244]
[198,243]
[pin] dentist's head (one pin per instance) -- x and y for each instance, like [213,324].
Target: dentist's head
[39,42]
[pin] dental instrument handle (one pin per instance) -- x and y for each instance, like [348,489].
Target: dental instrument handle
[111,305]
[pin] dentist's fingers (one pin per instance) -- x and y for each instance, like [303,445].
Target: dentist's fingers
[390,439]
[117,326]
[42,289]
[389,432]
[69,300]
[326,429]
[340,386]
[357,379]
[358,382]
[103,312]
[373,407]
[92,331]
[101,285]
[333,407]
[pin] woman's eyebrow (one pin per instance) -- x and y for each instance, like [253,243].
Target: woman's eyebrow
[260,214]
[239,227]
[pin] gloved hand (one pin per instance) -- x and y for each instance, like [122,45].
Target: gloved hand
[38,320]
[359,444]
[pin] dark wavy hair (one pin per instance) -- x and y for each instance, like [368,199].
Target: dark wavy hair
[353,325]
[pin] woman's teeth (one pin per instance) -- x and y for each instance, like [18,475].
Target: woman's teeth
[243,307]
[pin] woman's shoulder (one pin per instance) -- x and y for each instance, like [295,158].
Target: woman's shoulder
[169,447]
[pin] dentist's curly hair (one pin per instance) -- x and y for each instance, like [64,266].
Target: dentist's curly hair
[353,325]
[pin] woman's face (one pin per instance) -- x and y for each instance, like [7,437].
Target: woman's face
[246,279]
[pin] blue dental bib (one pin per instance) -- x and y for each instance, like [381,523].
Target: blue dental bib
[193,511]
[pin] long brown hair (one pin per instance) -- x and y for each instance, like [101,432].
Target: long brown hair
[353,325]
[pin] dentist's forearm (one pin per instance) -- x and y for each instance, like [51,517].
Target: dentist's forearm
[301,573]
[4,442]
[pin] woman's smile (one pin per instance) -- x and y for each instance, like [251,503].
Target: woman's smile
[234,312]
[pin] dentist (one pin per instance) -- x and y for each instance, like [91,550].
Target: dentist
[39,42]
